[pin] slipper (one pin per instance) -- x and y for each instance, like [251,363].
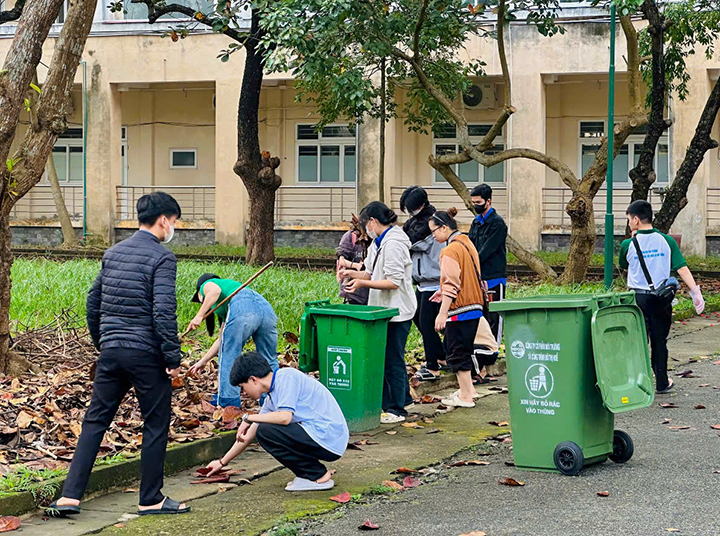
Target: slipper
[445,367]
[475,395]
[303,484]
[667,389]
[61,511]
[457,402]
[168,507]
[479,380]
[424,375]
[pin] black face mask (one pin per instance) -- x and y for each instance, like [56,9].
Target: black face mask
[479,208]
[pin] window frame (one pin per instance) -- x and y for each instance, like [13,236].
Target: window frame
[193,150]
[499,140]
[67,143]
[631,141]
[342,142]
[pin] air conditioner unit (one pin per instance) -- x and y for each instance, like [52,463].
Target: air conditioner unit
[481,97]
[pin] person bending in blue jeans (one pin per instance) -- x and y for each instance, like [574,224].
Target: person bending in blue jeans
[246,315]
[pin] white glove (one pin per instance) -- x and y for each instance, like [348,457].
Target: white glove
[697,298]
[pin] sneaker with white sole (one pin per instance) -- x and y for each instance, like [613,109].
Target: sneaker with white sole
[390,418]
[475,395]
[410,406]
[457,402]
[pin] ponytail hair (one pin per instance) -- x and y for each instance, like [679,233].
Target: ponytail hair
[446,218]
[380,212]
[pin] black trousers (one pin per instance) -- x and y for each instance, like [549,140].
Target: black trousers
[425,316]
[117,371]
[295,449]
[396,388]
[658,319]
[460,345]
[497,293]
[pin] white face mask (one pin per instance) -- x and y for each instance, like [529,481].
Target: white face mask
[371,234]
[169,234]
[414,213]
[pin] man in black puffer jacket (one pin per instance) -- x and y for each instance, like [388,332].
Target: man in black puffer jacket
[131,315]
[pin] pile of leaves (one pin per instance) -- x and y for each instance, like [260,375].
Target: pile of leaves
[41,413]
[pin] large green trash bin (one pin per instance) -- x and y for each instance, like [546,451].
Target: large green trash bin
[346,343]
[573,361]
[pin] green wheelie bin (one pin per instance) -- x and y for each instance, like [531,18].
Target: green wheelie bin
[573,362]
[346,343]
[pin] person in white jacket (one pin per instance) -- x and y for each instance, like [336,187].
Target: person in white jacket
[388,275]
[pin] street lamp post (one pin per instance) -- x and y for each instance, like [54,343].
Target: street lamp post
[609,220]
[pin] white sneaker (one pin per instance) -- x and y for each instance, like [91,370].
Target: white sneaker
[410,406]
[390,418]
[456,401]
[457,393]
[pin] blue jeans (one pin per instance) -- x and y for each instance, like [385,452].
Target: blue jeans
[249,315]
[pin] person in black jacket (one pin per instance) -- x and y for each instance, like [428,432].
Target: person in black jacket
[489,232]
[131,316]
[425,254]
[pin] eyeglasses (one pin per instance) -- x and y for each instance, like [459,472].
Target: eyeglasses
[432,231]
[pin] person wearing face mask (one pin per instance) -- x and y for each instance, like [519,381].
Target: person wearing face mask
[461,310]
[246,315]
[131,317]
[488,233]
[425,254]
[661,255]
[388,275]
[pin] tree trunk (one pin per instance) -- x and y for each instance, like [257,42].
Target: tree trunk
[69,238]
[675,196]
[383,104]
[582,237]
[256,170]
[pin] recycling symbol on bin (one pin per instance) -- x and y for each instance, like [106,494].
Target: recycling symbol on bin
[518,349]
[539,381]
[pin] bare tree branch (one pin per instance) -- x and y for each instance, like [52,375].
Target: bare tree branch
[12,14]
[418,29]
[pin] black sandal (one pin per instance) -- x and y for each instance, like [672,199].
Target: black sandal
[65,510]
[168,507]
[424,375]
[480,380]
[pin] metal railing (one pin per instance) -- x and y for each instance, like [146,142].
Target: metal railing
[38,203]
[712,209]
[444,197]
[554,201]
[303,205]
[196,202]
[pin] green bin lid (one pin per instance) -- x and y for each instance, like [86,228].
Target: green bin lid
[553,301]
[358,312]
[622,363]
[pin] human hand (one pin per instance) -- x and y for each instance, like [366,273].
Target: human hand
[197,367]
[441,322]
[697,298]
[436,297]
[214,467]
[173,373]
[242,431]
[195,322]
[355,285]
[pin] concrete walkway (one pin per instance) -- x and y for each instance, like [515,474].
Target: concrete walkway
[257,507]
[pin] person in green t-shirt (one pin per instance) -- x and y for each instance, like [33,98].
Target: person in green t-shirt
[246,315]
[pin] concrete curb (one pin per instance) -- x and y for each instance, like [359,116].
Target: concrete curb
[447,381]
[177,458]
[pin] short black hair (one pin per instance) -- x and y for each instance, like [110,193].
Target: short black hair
[642,209]
[482,190]
[380,211]
[247,365]
[413,198]
[446,218]
[151,206]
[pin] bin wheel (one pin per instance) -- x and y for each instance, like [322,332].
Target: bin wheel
[569,458]
[623,447]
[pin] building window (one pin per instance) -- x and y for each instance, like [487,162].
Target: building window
[183,158]
[445,142]
[68,156]
[139,11]
[591,133]
[326,156]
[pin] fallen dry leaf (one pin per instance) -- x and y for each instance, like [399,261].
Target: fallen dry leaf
[699,406]
[428,421]
[474,533]
[365,442]
[392,484]
[665,421]
[24,420]
[343,498]
[131,490]
[411,482]
[510,464]
[207,407]
[231,413]
[715,426]
[672,530]
[501,423]
[429,399]
[404,471]
[668,405]
[177,383]
[603,494]
[716,472]
[678,427]
[212,479]
[412,425]
[9,523]
[119,525]
[433,431]
[291,338]
[704,385]
[463,463]
[507,481]
[391,432]
[369,525]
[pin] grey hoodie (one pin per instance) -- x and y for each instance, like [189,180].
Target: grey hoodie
[392,262]
[426,262]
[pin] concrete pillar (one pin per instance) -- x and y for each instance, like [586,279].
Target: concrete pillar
[691,222]
[231,202]
[104,151]
[526,178]
[369,162]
